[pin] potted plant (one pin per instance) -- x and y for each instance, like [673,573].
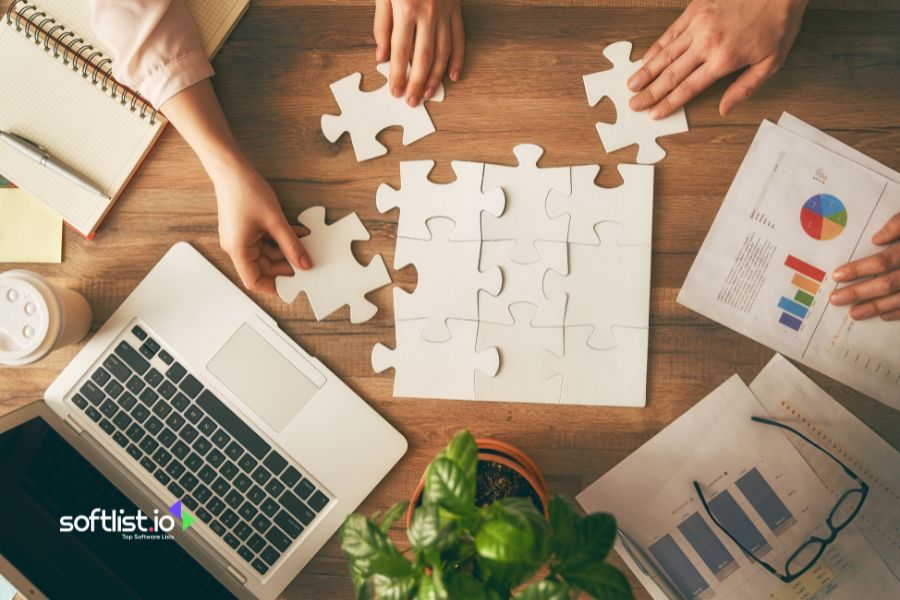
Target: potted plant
[506,547]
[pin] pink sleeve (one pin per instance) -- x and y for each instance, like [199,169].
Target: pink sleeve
[155,44]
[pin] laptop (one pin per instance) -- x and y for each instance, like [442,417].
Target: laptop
[189,414]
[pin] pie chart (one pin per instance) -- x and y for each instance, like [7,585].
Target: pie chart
[823,217]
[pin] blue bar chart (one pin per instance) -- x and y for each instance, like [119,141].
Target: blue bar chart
[765,501]
[681,570]
[734,519]
[711,550]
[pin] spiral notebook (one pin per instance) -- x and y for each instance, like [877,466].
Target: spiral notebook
[57,90]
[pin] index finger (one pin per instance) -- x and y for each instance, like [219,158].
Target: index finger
[882,262]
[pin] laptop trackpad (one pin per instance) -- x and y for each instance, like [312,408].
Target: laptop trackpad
[262,377]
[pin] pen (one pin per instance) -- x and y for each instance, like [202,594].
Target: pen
[41,156]
[648,567]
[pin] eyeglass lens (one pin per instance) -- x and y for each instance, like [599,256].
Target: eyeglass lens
[846,507]
[805,556]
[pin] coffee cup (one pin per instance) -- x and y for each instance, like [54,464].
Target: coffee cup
[37,317]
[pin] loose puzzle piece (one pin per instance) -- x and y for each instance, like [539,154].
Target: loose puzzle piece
[425,369]
[523,283]
[420,199]
[449,280]
[631,127]
[365,114]
[526,187]
[336,278]
[616,376]
[607,285]
[630,204]
[521,347]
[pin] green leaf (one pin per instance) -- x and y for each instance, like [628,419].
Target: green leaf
[426,589]
[564,522]
[429,533]
[371,551]
[544,590]
[462,585]
[512,541]
[596,534]
[600,580]
[391,516]
[447,486]
[392,588]
[463,450]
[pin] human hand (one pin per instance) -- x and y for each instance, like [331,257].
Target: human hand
[880,293]
[427,32]
[253,230]
[711,39]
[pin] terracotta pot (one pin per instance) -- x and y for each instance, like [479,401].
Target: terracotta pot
[490,450]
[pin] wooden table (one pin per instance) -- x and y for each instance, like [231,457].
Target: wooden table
[522,83]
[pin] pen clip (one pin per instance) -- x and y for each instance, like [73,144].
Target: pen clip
[631,553]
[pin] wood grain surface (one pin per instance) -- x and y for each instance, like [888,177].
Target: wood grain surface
[522,83]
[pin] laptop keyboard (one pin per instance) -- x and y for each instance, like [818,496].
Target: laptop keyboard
[232,479]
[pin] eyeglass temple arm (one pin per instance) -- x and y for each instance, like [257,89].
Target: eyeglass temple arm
[846,469]
[764,564]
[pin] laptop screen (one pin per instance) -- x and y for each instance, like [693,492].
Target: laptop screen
[48,493]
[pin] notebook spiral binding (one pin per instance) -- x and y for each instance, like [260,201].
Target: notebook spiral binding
[65,44]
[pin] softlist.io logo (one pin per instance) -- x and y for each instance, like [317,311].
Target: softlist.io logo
[117,521]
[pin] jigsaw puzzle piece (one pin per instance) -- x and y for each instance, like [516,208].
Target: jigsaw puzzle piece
[615,376]
[365,114]
[425,369]
[420,199]
[449,280]
[337,278]
[630,204]
[523,283]
[631,127]
[607,285]
[521,346]
[526,187]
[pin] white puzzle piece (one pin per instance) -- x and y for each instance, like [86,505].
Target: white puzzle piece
[630,204]
[607,285]
[631,127]
[336,278]
[365,114]
[449,279]
[521,347]
[616,376]
[425,369]
[526,187]
[523,283]
[420,199]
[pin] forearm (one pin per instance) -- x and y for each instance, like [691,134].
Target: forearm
[196,114]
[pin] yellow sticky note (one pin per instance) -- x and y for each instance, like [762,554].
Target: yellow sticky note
[29,231]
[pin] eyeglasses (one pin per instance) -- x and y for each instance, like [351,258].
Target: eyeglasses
[846,509]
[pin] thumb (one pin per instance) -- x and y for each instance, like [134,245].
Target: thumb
[290,245]
[746,84]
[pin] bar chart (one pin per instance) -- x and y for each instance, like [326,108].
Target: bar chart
[806,281]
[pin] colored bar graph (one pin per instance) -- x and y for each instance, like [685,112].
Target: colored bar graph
[791,321]
[807,269]
[679,567]
[765,501]
[713,552]
[804,283]
[792,307]
[804,298]
[736,521]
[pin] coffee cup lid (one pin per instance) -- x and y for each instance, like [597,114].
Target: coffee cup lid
[29,318]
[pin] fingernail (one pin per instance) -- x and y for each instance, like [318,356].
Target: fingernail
[454,76]
[397,91]
[428,94]
[305,262]
[635,103]
[839,297]
[655,113]
[839,275]
[413,101]
[634,84]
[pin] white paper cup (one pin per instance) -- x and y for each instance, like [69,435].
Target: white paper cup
[36,317]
